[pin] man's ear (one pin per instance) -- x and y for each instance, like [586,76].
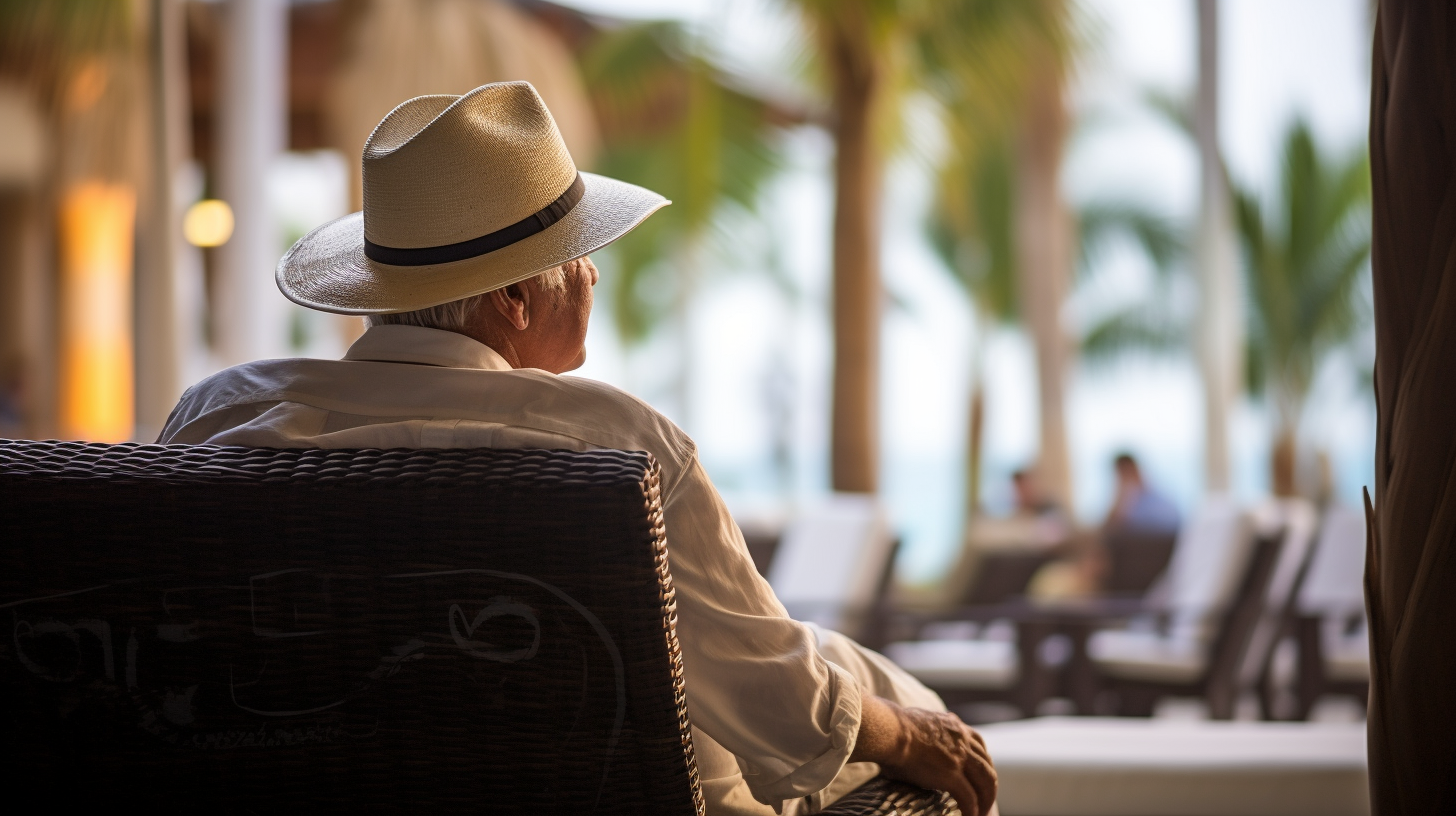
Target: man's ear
[514,304]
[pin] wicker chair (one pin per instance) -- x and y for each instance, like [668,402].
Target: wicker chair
[433,631]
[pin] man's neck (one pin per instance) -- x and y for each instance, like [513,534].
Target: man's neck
[494,341]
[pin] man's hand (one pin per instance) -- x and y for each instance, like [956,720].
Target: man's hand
[931,749]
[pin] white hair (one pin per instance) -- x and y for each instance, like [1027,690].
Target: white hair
[454,315]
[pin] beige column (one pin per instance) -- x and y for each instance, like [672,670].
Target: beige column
[1045,251]
[159,329]
[248,312]
[1220,319]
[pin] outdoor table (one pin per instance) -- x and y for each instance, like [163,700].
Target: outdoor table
[1077,619]
[1035,622]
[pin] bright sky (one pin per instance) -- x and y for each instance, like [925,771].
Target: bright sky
[752,349]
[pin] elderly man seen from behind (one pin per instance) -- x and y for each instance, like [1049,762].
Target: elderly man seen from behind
[470,263]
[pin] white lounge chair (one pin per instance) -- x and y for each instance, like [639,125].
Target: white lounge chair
[833,563]
[1334,645]
[1227,591]
[1300,523]
[1209,554]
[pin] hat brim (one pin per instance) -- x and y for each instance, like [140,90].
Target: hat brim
[328,270]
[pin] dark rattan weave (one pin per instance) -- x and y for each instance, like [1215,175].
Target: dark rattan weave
[250,630]
[887,797]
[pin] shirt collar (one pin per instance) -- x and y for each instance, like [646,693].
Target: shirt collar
[394,343]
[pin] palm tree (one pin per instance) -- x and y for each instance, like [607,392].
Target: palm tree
[1044,240]
[675,123]
[973,231]
[872,53]
[1304,258]
[1303,262]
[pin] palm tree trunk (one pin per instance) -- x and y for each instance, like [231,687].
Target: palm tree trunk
[1283,460]
[974,446]
[1409,571]
[857,76]
[1219,342]
[976,418]
[1044,247]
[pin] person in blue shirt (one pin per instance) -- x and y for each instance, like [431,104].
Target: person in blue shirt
[1136,506]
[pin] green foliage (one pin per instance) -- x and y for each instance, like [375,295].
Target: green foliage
[975,59]
[1157,236]
[1304,259]
[975,239]
[1175,110]
[975,236]
[1141,327]
[1152,326]
[677,125]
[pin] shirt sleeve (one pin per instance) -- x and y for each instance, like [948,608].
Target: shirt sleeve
[756,682]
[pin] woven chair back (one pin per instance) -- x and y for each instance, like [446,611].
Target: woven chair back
[253,630]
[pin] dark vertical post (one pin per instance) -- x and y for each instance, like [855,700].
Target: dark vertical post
[1411,561]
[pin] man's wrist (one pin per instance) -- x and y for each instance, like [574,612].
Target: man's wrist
[884,733]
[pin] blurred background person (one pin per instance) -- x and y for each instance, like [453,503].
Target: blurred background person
[1032,501]
[1137,506]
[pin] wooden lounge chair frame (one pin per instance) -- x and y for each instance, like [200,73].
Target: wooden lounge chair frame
[1220,682]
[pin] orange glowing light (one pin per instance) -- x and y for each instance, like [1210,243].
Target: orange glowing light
[96,225]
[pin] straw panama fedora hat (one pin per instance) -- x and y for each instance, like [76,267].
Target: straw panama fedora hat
[462,195]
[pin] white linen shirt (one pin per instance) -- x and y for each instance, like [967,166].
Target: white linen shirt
[757,683]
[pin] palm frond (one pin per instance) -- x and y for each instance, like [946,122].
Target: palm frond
[1304,259]
[972,229]
[1141,328]
[1174,109]
[672,122]
[1158,237]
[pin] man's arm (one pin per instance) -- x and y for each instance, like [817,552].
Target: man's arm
[761,686]
[931,749]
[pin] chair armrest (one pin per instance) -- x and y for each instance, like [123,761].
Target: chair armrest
[881,796]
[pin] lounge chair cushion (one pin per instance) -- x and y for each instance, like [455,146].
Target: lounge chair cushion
[1143,655]
[958,664]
